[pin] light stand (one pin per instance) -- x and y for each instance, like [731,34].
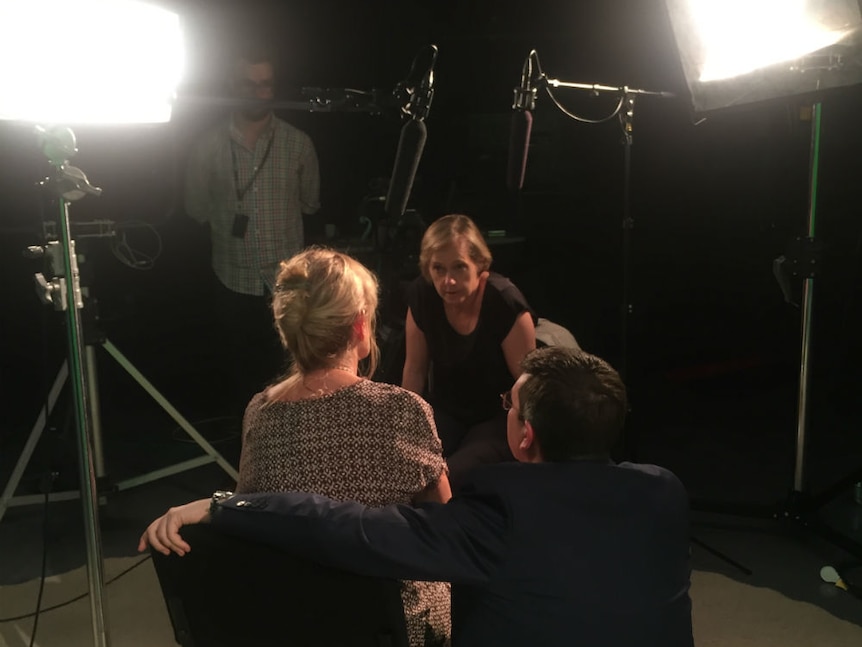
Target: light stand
[71,184]
[139,47]
[803,49]
[64,291]
[799,506]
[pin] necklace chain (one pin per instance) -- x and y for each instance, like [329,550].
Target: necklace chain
[342,367]
[326,388]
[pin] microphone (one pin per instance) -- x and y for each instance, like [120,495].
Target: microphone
[416,92]
[413,133]
[519,144]
[420,100]
[410,145]
[521,125]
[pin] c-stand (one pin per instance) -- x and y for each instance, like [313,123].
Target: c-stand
[801,262]
[61,288]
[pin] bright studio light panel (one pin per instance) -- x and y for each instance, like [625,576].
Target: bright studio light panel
[88,61]
[736,52]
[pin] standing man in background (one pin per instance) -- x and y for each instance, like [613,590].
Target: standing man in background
[251,178]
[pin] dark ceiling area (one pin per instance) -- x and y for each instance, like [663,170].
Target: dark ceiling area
[714,202]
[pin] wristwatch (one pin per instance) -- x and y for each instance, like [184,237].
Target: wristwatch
[219,497]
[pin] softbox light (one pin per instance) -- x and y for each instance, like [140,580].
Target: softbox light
[737,52]
[88,61]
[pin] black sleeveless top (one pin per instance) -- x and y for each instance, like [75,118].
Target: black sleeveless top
[468,372]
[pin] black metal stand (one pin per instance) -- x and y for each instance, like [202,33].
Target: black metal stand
[626,308]
[624,110]
[799,507]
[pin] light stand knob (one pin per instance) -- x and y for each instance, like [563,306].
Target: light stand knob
[58,144]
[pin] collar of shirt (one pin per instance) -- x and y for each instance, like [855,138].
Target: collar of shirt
[237,136]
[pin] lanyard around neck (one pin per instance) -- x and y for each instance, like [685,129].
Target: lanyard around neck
[240,193]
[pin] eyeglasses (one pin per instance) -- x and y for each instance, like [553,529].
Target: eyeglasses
[506,401]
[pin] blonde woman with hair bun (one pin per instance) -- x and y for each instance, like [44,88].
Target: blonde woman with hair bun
[326,428]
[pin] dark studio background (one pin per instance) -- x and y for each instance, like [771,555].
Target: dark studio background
[714,350]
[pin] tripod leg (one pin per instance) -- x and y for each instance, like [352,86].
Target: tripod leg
[95,409]
[171,411]
[33,439]
[807,310]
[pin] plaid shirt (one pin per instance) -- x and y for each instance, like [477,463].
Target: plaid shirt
[287,186]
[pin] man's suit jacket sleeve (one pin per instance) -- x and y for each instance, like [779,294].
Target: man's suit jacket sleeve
[461,541]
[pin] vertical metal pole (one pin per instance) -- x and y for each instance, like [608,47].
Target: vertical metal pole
[627,309]
[807,307]
[628,225]
[89,495]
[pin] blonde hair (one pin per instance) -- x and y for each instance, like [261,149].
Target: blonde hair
[445,231]
[319,295]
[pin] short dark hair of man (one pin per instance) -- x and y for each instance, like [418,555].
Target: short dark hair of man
[576,403]
[252,52]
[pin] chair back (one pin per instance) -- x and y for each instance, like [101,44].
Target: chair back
[228,592]
[549,333]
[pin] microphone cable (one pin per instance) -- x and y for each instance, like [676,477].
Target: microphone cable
[43,571]
[542,81]
[136,259]
[82,596]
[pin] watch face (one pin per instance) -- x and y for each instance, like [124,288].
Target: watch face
[219,496]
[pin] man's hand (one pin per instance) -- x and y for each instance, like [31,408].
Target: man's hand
[163,534]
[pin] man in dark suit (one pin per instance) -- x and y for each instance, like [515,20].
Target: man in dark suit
[563,548]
